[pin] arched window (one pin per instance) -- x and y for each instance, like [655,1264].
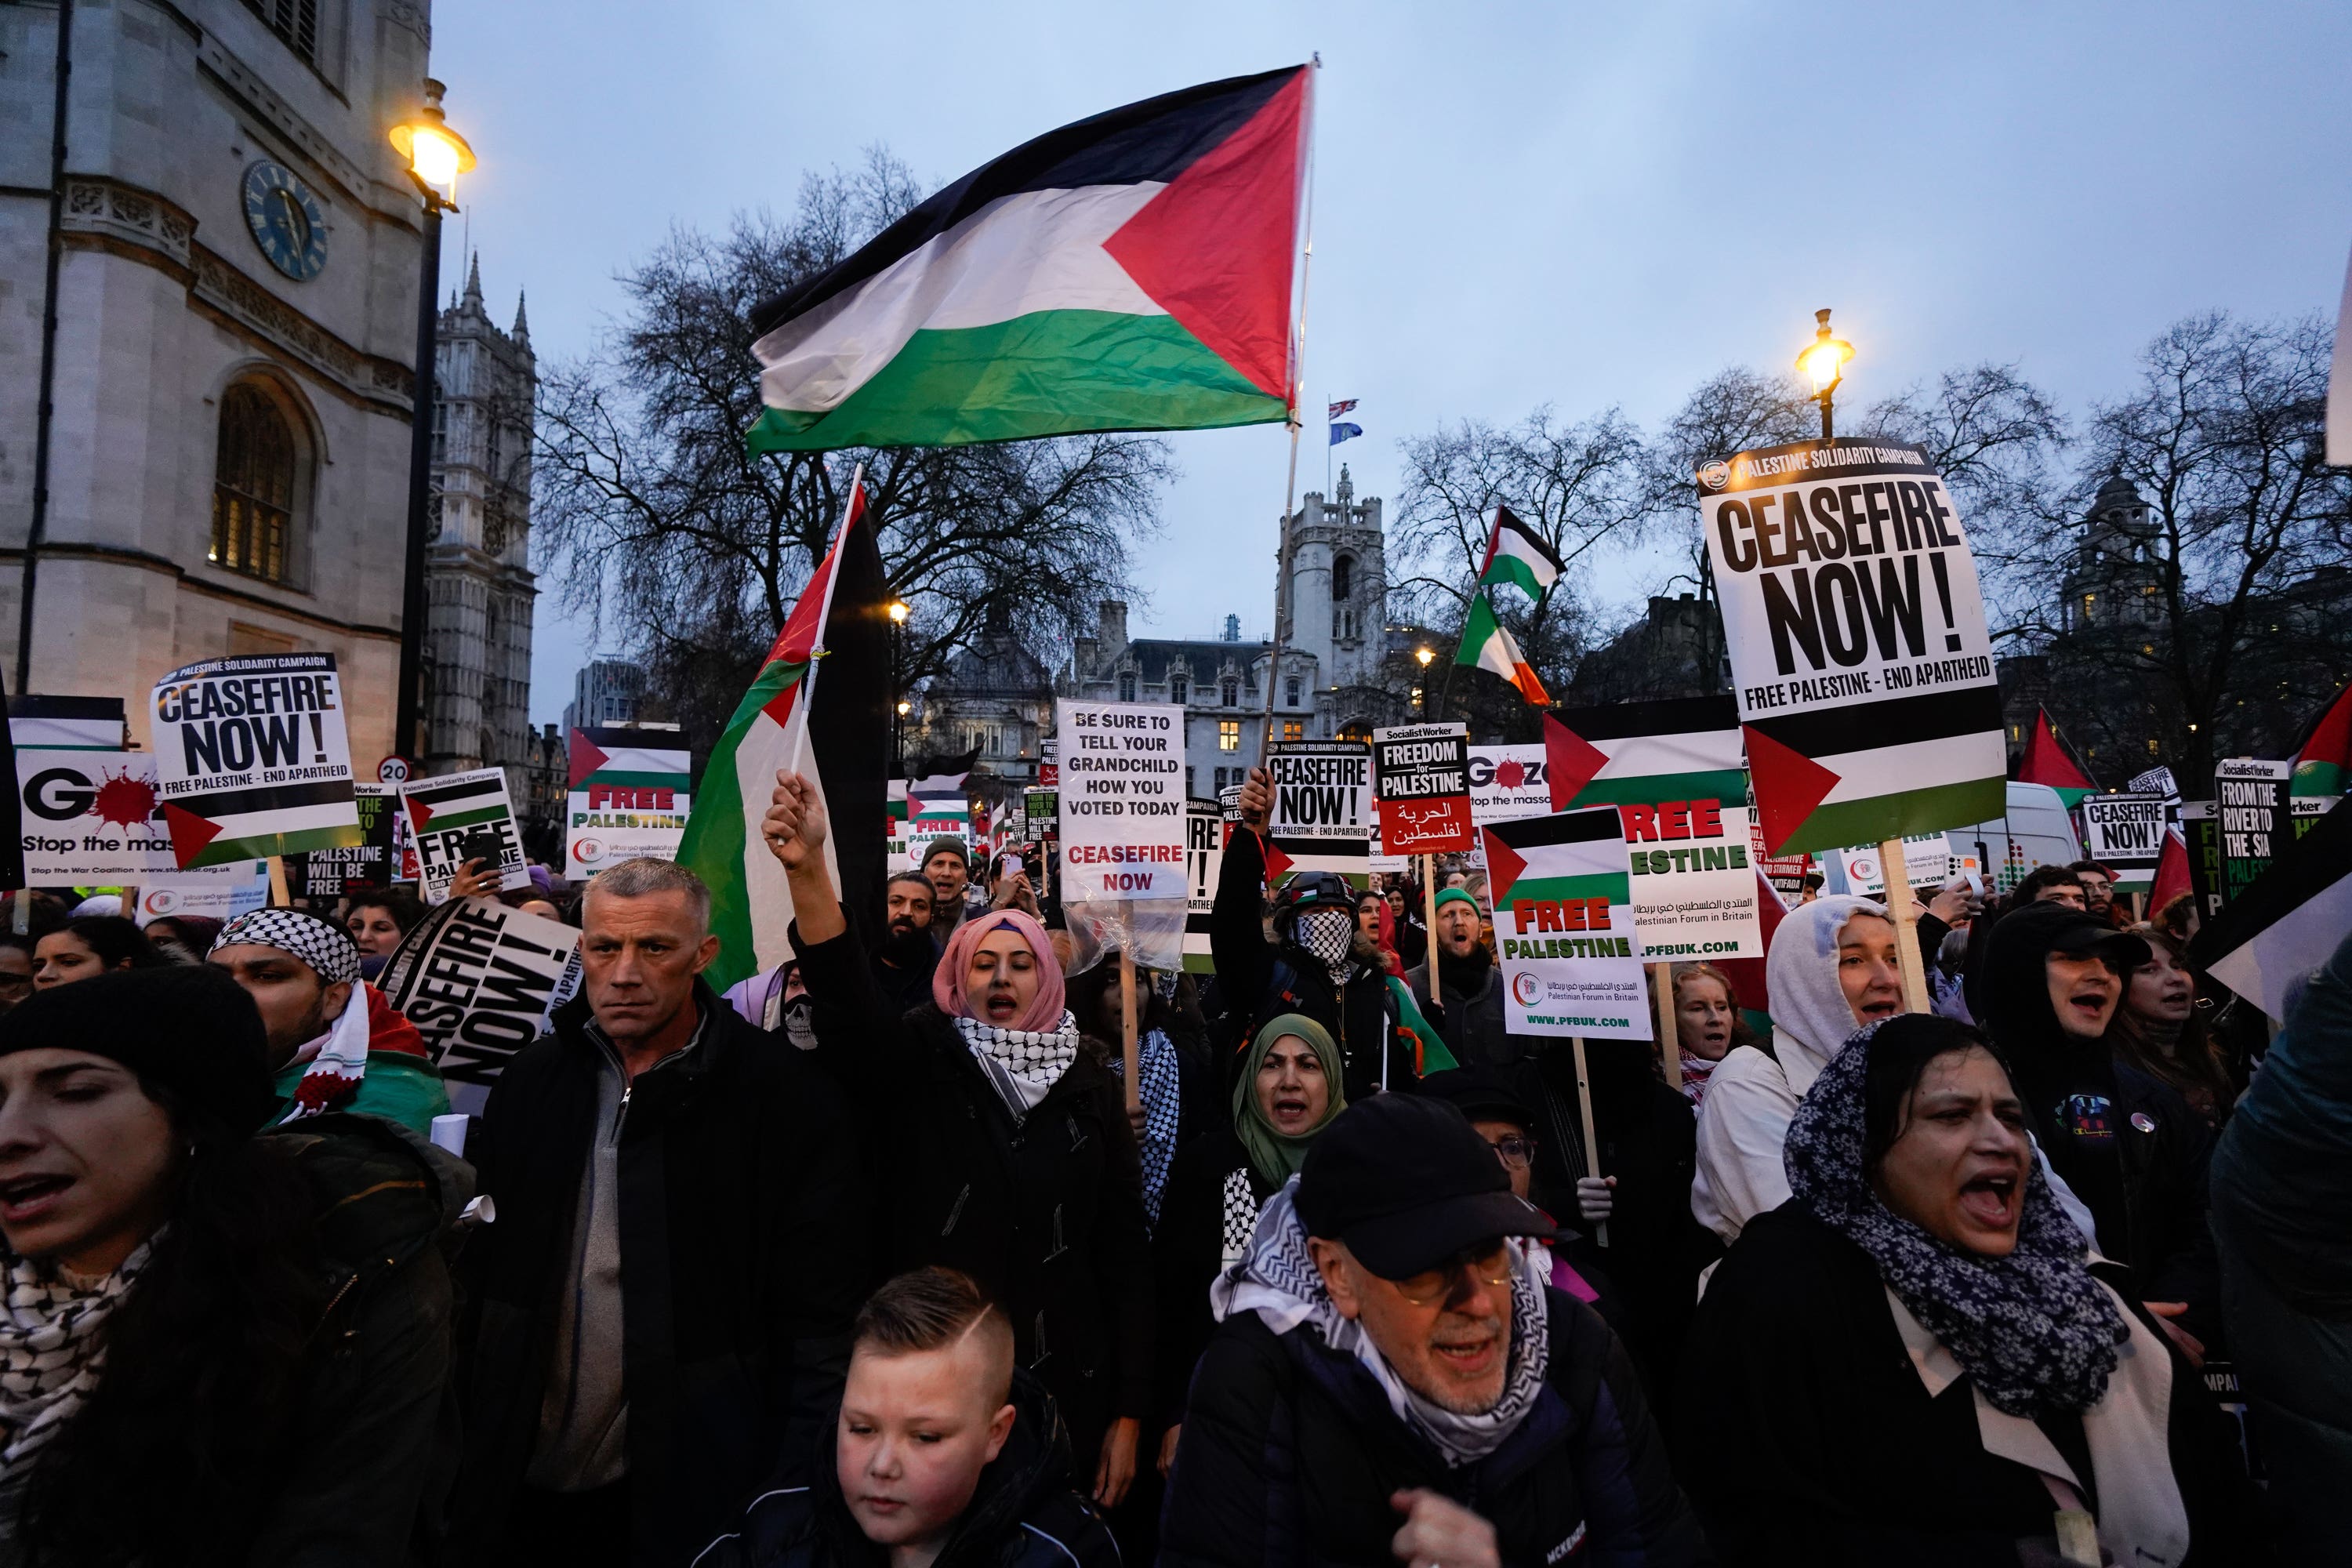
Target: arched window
[1343,577]
[255,471]
[1180,687]
[1127,685]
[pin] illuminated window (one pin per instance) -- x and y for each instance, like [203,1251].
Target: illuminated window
[254,473]
[1294,730]
[2151,746]
[1229,734]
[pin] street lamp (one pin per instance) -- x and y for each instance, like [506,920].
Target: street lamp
[1824,364]
[1425,653]
[436,156]
[899,611]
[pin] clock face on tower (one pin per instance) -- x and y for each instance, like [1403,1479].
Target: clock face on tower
[286,219]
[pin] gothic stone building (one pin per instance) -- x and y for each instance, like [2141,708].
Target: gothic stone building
[236,307]
[478,583]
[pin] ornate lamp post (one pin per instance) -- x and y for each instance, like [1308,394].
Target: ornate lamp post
[1824,364]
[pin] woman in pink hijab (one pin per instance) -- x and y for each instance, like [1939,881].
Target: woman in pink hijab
[1000,1147]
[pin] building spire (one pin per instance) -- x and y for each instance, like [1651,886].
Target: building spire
[521,331]
[474,281]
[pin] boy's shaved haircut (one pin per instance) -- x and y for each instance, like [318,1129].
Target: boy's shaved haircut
[935,1309]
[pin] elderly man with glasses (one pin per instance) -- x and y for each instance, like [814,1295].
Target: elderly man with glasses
[1394,1376]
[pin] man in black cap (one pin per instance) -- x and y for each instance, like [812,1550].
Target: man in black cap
[2127,1143]
[1386,1347]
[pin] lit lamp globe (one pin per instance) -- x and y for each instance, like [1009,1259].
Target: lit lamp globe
[436,156]
[1424,655]
[1823,364]
[899,611]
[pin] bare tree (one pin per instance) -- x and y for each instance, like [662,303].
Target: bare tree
[691,548]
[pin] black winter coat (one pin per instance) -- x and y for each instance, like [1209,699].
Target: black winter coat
[1806,1437]
[1470,1020]
[744,1235]
[1258,982]
[1023,1514]
[1047,1215]
[1291,1453]
[1210,1185]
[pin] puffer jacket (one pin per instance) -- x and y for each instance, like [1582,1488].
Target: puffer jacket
[1023,1514]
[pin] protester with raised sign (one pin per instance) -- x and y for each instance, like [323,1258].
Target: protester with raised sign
[659,1319]
[90,945]
[219,1347]
[1913,1362]
[1387,1347]
[1011,1153]
[335,1043]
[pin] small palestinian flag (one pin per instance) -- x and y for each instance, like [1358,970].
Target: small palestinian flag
[1513,554]
[1835,777]
[460,800]
[1686,748]
[623,759]
[840,616]
[1487,646]
[2287,922]
[2323,764]
[2047,761]
[1569,856]
[1128,272]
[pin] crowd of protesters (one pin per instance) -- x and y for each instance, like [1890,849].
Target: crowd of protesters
[878,1258]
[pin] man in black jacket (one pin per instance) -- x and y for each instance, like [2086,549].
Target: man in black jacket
[662,1312]
[1393,1376]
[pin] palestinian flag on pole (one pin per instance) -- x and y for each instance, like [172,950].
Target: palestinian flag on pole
[2323,764]
[1552,860]
[1840,777]
[2047,761]
[836,731]
[1487,646]
[1128,272]
[1688,748]
[629,758]
[2287,922]
[1513,554]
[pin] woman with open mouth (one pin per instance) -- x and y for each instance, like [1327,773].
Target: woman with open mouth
[1914,1362]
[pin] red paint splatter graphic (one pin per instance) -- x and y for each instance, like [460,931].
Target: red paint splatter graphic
[1510,773]
[124,802]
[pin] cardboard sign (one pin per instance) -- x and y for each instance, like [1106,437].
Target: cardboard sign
[2125,834]
[1122,800]
[251,759]
[626,799]
[1856,632]
[90,817]
[1508,783]
[477,979]
[1564,926]
[443,812]
[1926,863]
[1422,775]
[1204,859]
[1322,814]
[2200,829]
[218,892]
[1785,872]
[2255,820]
[331,873]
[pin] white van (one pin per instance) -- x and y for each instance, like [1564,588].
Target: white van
[2035,832]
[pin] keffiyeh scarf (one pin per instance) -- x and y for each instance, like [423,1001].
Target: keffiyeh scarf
[52,1346]
[1155,1065]
[325,946]
[1277,1280]
[336,1062]
[1021,1064]
[1329,935]
[2035,1329]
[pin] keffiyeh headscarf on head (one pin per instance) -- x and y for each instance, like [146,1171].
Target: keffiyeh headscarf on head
[325,946]
[335,1063]
[2034,1331]
[1022,1062]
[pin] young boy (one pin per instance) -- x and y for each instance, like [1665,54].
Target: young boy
[945,1455]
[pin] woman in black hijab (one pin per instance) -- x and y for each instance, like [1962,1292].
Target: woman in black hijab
[1912,1362]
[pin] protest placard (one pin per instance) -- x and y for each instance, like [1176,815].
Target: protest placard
[1564,926]
[628,796]
[217,893]
[1322,820]
[1421,772]
[1785,872]
[1508,783]
[476,979]
[90,817]
[330,873]
[1928,862]
[2201,830]
[251,759]
[1863,670]
[1204,857]
[446,813]
[68,724]
[2124,833]
[1122,801]
[2254,818]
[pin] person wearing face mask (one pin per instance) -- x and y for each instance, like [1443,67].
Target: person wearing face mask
[1466,1002]
[944,1453]
[1393,1378]
[2159,1030]
[1009,1152]
[1288,1092]
[2122,1139]
[1319,964]
[1912,1362]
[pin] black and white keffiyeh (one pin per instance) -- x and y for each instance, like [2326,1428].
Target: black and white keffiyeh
[1021,1064]
[325,946]
[51,1349]
[1277,1280]
[1329,934]
[1155,1063]
[2035,1329]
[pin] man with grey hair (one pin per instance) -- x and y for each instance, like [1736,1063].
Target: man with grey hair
[663,1310]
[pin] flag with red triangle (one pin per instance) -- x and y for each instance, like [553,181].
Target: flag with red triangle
[2323,764]
[2047,761]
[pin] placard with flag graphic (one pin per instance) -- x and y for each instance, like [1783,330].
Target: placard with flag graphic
[448,813]
[251,758]
[1564,925]
[631,791]
[1131,271]
[846,726]
[1674,767]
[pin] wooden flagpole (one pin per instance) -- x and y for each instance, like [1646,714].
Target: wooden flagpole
[1127,1024]
[1592,1140]
[1670,1045]
[1895,873]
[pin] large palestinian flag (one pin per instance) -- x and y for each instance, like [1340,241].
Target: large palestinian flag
[2048,761]
[848,734]
[1515,554]
[2287,922]
[1686,748]
[1128,272]
[2323,764]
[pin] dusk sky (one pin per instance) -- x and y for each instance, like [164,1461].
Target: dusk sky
[1514,203]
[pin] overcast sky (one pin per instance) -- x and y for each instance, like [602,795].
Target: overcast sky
[1514,204]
